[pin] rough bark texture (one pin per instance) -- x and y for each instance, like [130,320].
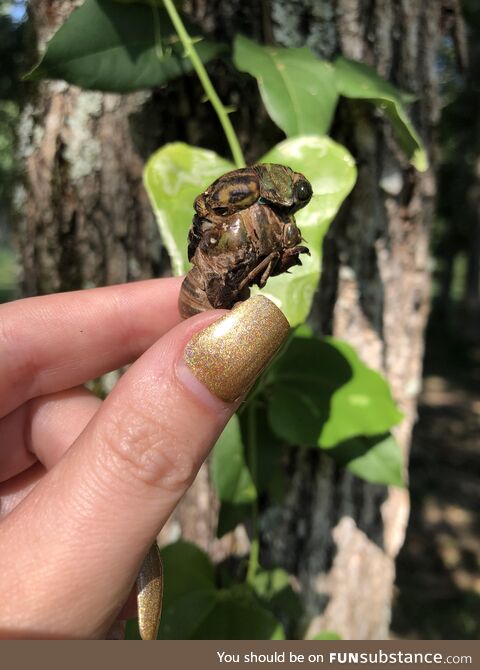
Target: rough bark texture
[85,218]
[86,222]
[376,257]
[337,534]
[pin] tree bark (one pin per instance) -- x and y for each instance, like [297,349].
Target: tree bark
[85,221]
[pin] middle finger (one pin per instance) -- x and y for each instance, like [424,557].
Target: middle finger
[43,429]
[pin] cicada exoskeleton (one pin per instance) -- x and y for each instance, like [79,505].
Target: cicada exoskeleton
[243,232]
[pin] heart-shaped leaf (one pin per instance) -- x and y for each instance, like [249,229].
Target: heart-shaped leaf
[108,45]
[189,569]
[321,394]
[376,459]
[177,173]
[297,88]
[237,615]
[332,173]
[173,177]
[358,81]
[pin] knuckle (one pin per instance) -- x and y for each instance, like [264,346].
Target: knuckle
[141,448]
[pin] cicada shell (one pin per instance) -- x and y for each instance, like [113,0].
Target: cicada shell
[243,232]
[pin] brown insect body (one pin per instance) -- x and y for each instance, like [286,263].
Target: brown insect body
[243,232]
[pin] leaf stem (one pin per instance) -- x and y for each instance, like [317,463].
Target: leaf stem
[253,559]
[210,92]
[157,31]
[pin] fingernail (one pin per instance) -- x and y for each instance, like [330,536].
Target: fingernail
[150,594]
[229,354]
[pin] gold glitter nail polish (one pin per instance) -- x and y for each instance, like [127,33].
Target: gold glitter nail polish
[150,593]
[229,354]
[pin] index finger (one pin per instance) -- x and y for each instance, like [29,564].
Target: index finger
[54,342]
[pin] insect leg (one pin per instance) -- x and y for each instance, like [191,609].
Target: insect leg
[290,257]
[267,273]
[264,267]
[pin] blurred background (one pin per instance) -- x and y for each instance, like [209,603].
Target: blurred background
[401,276]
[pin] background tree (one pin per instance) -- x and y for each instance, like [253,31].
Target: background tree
[456,238]
[84,220]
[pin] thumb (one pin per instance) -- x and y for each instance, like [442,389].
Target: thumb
[86,526]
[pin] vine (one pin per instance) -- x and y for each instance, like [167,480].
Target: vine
[210,91]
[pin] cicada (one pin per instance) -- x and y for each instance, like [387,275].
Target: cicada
[243,232]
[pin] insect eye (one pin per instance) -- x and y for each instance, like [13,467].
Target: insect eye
[291,235]
[303,190]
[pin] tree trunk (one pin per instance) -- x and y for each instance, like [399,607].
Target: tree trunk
[85,218]
[85,221]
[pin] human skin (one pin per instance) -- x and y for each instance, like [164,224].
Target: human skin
[86,485]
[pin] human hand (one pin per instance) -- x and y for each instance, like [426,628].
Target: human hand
[86,485]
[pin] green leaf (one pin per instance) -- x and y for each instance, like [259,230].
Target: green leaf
[237,615]
[267,583]
[177,173]
[231,476]
[186,569]
[359,81]
[193,609]
[181,617]
[271,475]
[304,330]
[297,88]
[320,394]
[131,630]
[327,635]
[227,614]
[189,589]
[230,516]
[275,591]
[174,176]
[110,46]
[377,459]
[332,173]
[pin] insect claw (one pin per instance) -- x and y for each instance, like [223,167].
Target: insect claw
[303,250]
